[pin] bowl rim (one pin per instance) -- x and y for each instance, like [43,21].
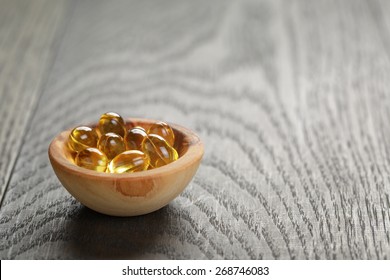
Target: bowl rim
[193,154]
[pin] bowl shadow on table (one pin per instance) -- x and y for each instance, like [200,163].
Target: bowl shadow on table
[97,236]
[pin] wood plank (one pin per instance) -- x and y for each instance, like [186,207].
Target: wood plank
[27,32]
[290,98]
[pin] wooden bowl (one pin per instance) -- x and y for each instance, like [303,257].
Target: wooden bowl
[128,194]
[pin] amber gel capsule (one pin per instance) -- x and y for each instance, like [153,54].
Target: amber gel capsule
[159,151]
[111,145]
[164,130]
[112,122]
[81,138]
[129,161]
[92,158]
[140,127]
[134,138]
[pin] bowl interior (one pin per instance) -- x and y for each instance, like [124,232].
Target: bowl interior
[184,139]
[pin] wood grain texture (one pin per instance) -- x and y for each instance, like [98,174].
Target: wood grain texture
[27,33]
[291,99]
[128,194]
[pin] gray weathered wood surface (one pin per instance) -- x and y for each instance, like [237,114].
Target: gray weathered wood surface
[291,99]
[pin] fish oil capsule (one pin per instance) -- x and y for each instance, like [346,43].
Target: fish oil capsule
[111,145]
[140,127]
[159,151]
[128,162]
[134,138]
[164,130]
[81,138]
[92,158]
[112,122]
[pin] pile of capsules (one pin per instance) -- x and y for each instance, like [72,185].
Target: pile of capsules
[111,148]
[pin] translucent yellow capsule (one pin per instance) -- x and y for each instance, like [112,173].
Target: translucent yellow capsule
[92,158]
[159,151]
[111,145]
[81,138]
[164,130]
[140,127]
[112,122]
[134,138]
[129,161]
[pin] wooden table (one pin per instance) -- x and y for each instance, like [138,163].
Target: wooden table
[291,99]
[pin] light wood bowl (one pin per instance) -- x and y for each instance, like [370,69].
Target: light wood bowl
[128,194]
